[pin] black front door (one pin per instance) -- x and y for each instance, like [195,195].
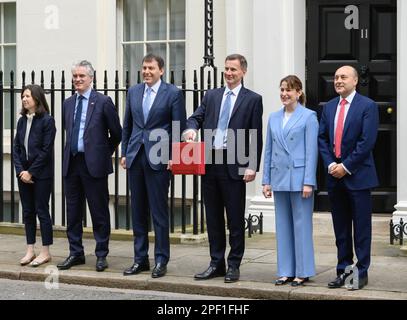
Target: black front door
[362,34]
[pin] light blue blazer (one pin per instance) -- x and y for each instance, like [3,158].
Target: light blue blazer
[291,156]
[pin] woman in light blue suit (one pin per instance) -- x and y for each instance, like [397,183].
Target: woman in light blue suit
[290,163]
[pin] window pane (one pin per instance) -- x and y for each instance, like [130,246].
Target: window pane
[1,26]
[133,12]
[132,54]
[177,14]
[156,19]
[9,22]
[9,63]
[177,61]
[159,49]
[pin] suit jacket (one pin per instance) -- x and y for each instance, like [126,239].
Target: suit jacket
[40,161]
[358,141]
[159,131]
[247,114]
[101,136]
[291,155]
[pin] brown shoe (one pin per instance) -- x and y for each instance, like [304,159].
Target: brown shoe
[38,262]
[24,261]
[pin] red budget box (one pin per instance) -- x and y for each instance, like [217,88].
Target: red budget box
[188,158]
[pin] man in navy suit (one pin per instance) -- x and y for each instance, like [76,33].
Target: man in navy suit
[93,133]
[347,136]
[232,121]
[154,110]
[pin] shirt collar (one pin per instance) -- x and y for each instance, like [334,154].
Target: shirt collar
[155,87]
[235,90]
[86,94]
[349,98]
[30,115]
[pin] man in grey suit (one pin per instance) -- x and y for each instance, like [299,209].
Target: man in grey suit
[154,110]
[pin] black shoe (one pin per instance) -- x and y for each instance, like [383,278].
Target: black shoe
[159,270]
[101,264]
[281,281]
[210,273]
[339,281]
[297,283]
[137,268]
[70,262]
[361,283]
[232,275]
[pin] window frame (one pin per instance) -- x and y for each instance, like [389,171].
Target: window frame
[121,43]
[3,45]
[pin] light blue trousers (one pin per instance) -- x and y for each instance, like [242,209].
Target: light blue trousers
[295,248]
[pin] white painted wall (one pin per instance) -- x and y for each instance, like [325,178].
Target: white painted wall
[401,206]
[278,50]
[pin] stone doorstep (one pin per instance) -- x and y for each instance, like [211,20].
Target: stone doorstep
[118,235]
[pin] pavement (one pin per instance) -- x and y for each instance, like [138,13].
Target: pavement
[387,275]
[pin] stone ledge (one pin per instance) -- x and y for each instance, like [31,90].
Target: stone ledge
[119,235]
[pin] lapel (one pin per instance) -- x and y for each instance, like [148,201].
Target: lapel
[70,113]
[278,125]
[239,100]
[351,113]
[91,108]
[332,110]
[157,101]
[296,116]
[218,103]
[23,129]
[136,104]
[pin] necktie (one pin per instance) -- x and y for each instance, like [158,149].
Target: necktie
[147,103]
[339,129]
[223,122]
[76,127]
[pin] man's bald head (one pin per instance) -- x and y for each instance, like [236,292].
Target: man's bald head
[346,80]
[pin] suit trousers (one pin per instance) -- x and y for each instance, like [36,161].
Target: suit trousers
[220,192]
[149,194]
[295,249]
[80,185]
[35,202]
[352,210]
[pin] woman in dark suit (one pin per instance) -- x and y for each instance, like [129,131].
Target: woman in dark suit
[34,163]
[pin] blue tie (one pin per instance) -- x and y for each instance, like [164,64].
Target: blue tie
[76,127]
[223,122]
[147,103]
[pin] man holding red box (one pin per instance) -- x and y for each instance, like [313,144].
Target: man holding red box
[232,121]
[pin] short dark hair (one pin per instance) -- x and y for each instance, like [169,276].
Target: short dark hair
[151,57]
[294,83]
[242,60]
[38,94]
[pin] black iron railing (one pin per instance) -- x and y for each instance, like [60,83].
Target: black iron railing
[398,231]
[9,97]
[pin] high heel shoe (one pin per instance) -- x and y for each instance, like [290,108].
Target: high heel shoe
[24,262]
[37,263]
